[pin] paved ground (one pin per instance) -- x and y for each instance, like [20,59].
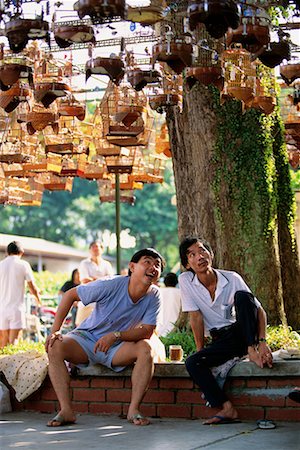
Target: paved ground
[27,430]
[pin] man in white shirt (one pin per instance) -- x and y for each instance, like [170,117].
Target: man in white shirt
[220,304]
[13,275]
[91,269]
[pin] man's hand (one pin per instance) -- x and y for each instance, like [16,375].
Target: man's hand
[261,356]
[52,338]
[265,354]
[105,342]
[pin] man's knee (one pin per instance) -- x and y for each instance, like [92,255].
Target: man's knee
[194,362]
[244,298]
[144,349]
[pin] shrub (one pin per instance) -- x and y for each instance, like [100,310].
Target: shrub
[22,346]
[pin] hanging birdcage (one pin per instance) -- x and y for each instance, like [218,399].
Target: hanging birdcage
[38,118]
[14,68]
[168,93]
[95,169]
[65,34]
[147,15]
[70,107]
[15,145]
[290,72]
[174,46]
[44,163]
[107,193]
[70,139]
[122,163]
[239,74]
[73,166]
[207,67]
[100,10]
[254,31]
[152,170]
[122,110]
[54,182]
[112,66]
[217,16]
[264,98]
[11,98]
[126,182]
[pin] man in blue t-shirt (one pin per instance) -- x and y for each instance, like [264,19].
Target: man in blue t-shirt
[114,335]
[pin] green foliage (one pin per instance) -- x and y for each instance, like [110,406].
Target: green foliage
[279,337]
[181,337]
[23,346]
[282,337]
[50,283]
[295,180]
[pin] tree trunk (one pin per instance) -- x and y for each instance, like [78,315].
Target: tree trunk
[224,176]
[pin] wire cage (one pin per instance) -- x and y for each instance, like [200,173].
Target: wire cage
[53,182]
[207,66]
[147,15]
[239,73]
[74,166]
[122,163]
[94,169]
[107,193]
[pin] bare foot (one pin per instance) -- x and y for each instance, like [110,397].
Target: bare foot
[138,419]
[255,357]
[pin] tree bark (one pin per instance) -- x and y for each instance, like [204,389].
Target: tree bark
[224,190]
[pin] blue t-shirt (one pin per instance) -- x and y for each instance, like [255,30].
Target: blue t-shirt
[114,310]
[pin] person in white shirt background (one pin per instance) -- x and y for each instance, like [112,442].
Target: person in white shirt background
[171,305]
[90,269]
[13,275]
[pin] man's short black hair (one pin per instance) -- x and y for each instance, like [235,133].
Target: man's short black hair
[186,244]
[97,241]
[148,252]
[14,248]
[171,279]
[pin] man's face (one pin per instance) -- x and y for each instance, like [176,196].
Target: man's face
[199,258]
[147,269]
[96,249]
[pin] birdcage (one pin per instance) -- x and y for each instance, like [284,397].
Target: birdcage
[217,15]
[15,145]
[14,68]
[147,15]
[122,111]
[44,163]
[95,169]
[152,170]
[107,193]
[168,93]
[261,100]
[206,68]
[112,66]
[104,148]
[122,163]
[99,10]
[38,118]
[254,31]
[65,35]
[126,182]
[69,140]
[239,74]
[74,166]
[12,97]
[71,107]
[290,72]
[54,182]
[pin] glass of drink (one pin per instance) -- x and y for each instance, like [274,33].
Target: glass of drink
[175,353]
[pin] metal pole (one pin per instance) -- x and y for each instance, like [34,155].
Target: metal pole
[118,222]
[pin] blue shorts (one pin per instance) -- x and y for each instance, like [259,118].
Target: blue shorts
[87,341]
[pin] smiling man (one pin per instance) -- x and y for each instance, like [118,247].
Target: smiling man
[220,305]
[115,334]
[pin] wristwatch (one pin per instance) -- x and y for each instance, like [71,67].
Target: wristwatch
[117,334]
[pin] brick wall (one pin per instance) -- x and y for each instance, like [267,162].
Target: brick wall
[256,393]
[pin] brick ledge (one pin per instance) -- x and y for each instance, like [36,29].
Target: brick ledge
[281,368]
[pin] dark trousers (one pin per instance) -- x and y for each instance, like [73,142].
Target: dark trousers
[227,343]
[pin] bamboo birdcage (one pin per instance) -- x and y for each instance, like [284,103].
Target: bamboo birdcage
[290,72]
[174,46]
[254,31]
[94,169]
[153,168]
[126,183]
[53,182]
[107,193]
[14,68]
[11,98]
[147,15]
[168,93]
[264,98]
[69,140]
[15,144]
[122,163]
[100,9]
[44,163]
[239,74]
[74,166]
[207,67]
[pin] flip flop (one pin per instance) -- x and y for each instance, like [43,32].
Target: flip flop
[266,424]
[295,395]
[139,417]
[222,420]
[59,419]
